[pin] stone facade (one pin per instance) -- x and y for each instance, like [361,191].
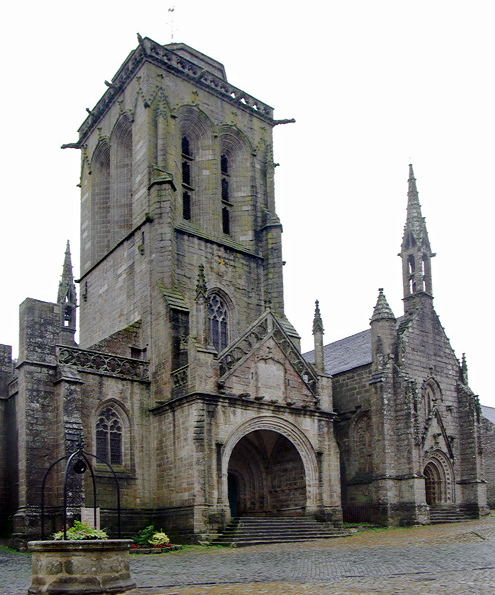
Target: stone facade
[188,377]
[488,443]
[409,429]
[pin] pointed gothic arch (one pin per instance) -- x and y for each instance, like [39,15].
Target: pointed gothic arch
[195,142]
[236,172]
[431,395]
[220,318]
[112,440]
[439,479]
[100,200]
[121,177]
[266,486]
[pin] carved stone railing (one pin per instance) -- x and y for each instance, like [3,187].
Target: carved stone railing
[104,363]
[170,60]
[180,377]
[208,79]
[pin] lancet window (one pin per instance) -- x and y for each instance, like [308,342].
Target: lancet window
[109,436]
[187,177]
[218,322]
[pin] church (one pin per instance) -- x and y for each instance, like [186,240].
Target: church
[188,378]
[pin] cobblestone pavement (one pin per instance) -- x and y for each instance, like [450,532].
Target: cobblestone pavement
[457,559]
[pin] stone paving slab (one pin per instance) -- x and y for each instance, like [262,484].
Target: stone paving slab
[457,559]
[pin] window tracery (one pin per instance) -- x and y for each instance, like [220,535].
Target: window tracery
[217,322]
[109,434]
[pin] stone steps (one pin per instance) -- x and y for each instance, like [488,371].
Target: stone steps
[447,515]
[243,531]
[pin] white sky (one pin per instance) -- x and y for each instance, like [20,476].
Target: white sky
[373,86]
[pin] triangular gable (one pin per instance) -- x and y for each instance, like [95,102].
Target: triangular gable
[435,433]
[265,328]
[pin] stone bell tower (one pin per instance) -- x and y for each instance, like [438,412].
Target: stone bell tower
[177,176]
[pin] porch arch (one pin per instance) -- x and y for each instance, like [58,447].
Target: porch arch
[290,433]
[439,484]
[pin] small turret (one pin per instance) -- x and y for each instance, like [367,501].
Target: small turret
[415,251]
[383,333]
[67,299]
[318,339]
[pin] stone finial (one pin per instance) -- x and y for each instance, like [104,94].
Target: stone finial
[317,321]
[67,297]
[201,289]
[318,339]
[382,310]
[464,369]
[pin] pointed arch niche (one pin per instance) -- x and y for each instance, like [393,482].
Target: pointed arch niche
[195,162]
[431,395]
[100,200]
[121,178]
[236,185]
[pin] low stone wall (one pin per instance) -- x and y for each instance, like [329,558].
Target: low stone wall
[80,567]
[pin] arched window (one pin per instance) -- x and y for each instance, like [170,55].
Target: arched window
[225,189]
[186,146]
[217,322]
[187,178]
[224,164]
[431,396]
[226,220]
[186,206]
[109,436]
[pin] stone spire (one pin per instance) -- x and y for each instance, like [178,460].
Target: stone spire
[415,251]
[318,339]
[67,299]
[382,310]
[383,333]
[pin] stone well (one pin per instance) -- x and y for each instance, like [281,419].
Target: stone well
[80,567]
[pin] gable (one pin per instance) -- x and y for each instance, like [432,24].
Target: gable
[266,364]
[266,374]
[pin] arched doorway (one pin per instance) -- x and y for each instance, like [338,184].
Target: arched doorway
[266,476]
[439,482]
[433,485]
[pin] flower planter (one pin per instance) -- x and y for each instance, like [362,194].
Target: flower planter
[85,567]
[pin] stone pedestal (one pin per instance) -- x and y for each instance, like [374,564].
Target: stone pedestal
[80,567]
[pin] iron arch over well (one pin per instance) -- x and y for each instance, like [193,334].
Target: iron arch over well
[269,468]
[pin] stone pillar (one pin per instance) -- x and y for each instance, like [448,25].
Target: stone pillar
[40,439]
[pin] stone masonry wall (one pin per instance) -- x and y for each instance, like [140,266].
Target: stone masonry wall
[488,441]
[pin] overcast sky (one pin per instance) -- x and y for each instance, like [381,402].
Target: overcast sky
[373,86]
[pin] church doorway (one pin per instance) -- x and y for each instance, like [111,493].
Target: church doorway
[435,485]
[266,476]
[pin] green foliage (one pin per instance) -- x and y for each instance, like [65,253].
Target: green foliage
[149,536]
[143,536]
[159,538]
[81,531]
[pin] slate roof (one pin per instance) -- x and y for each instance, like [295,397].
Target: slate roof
[350,352]
[488,412]
[345,354]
